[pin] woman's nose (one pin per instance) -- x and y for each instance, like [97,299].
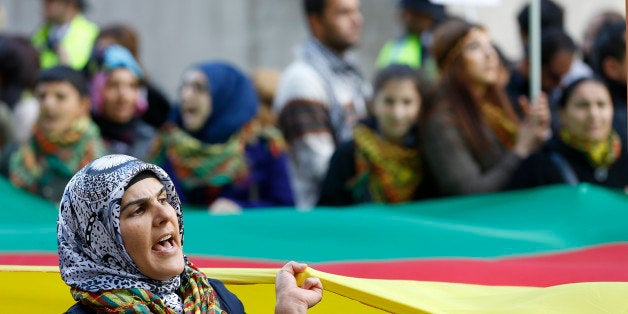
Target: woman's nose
[398,111]
[185,93]
[163,213]
[45,101]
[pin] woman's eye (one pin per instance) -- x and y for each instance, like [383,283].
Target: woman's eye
[473,46]
[138,211]
[163,200]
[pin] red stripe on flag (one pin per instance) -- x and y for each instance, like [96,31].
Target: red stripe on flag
[596,263]
[599,263]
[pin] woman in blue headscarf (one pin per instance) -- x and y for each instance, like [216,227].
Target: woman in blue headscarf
[217,154]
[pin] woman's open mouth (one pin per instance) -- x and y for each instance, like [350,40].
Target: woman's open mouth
[165,244]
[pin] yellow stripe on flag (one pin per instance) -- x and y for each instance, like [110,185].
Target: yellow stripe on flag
[39,289]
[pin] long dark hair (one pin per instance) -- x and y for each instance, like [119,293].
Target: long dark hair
[453,90]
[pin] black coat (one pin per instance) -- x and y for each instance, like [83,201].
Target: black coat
[342,168]
[541,168]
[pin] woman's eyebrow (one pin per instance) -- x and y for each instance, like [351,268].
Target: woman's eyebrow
[142,200]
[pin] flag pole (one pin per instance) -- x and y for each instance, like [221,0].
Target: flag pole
[534,48]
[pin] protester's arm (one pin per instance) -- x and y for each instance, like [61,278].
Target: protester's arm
[291,298]
[455,168]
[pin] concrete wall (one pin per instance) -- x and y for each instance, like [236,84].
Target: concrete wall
[252,33]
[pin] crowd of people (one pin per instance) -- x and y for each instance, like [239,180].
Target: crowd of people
[446,113]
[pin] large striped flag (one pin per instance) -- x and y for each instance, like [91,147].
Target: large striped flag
[553,249]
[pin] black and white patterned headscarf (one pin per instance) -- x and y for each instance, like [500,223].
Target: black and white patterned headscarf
[92,256]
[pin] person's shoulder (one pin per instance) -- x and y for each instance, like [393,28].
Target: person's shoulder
[299,67]
[440,115]
[542,156]
[299,81]
[228,301]
[82,21]
[299,74]
[541,164]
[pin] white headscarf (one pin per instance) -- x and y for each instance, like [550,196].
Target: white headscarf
[92,256]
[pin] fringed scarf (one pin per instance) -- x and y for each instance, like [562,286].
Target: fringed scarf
[504,128]
[47,155]
[385,172]
[199,164]
[196,293]
[599,153]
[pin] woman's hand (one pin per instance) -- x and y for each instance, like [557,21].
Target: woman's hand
[292,298]
[535,128]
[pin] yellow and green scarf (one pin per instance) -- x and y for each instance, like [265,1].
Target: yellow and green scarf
[504,128]
[46,155]
[197,163]
[385,171]
[599,153]
[197,295]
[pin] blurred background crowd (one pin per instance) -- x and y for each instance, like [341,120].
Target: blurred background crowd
[258,104]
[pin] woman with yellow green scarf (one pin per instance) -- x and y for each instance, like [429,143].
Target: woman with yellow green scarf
[586,149]
[383,161]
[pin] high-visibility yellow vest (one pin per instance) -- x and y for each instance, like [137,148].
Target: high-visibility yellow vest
[405,50]
[77,43]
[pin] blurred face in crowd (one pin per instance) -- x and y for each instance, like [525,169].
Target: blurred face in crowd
[120,95]
[480,58]
[340,25]
[615,69]
[396,108]
[588,113]
[60,106]
[58,11]
[196,101]
[553,73]
[150,230]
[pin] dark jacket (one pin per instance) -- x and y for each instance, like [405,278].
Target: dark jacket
[542,168]
[618,94]
[335,190]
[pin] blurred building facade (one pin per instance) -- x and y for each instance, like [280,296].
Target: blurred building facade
[254,33]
